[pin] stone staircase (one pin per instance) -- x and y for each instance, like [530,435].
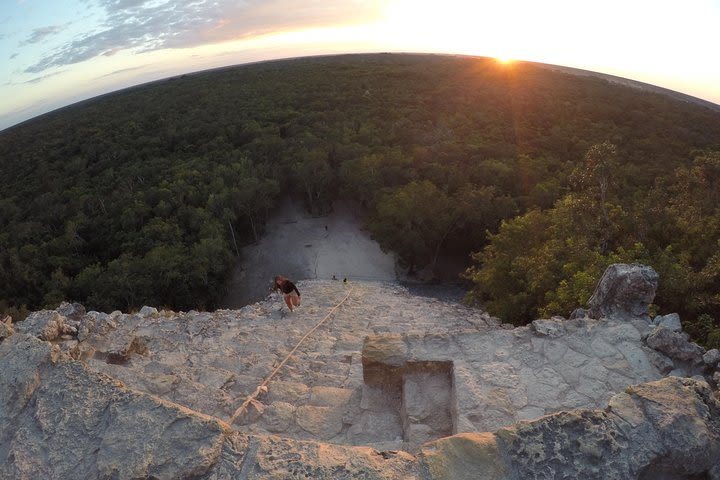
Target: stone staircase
[210,362]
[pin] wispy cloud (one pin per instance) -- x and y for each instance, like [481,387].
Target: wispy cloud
[144,25]
[43,77]
[40,34]
[123,70]
[13,55]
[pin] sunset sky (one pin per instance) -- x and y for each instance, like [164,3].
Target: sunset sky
[56,52]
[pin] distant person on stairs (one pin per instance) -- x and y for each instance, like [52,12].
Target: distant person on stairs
[289,290]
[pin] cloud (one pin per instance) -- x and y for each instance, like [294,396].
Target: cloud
[13,55]
[123,70]
[145,25]
[43,77]
[40,34]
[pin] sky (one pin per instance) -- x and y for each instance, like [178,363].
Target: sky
[57,52]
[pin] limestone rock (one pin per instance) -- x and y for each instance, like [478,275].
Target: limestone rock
[668,427]
[376,427]
[6,328]
[330,396]
[382,355]
[255,458]
[712,357]
[278,417]
[322,422]
[671,322]
[660,361]
[58,420]
[22,358]
[290,392]
[624,291]
[389,350]
[147,311]
[439,369]
[71,311]
[551,328]
[674,345]
[46,325]
[466,456]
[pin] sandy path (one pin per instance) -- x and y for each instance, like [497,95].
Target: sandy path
[300,247]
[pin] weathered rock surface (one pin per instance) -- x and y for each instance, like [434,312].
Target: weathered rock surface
[46,325]
[668,427]
[6,328]
[670,321]
[148,395]
[675,345]
[71,311]
[712,357]
[624,291]
[59,420]
[97,428]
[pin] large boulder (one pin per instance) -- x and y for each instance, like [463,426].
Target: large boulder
[58,420]
[712,357]
[675,345]
[624,291]
[46,325]
[664,429]
[71,311]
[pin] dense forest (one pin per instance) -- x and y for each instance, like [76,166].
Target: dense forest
[144,196]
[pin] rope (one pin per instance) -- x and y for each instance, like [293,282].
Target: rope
[252,398]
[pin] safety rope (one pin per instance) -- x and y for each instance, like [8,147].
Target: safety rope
[252,398]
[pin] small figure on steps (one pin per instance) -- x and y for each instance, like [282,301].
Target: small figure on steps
[289,290]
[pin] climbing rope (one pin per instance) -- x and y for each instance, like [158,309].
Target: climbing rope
[252,398]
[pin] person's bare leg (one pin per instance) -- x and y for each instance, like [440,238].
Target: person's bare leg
[289,302]
[296,301]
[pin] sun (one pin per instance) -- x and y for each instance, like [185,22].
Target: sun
[504,60]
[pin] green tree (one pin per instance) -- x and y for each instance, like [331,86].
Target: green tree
[413,221]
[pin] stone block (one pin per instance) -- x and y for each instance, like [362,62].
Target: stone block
[330,396]
[322,423]
[376,427]
[290,392]
[467,456]
[388,350]
[278,417]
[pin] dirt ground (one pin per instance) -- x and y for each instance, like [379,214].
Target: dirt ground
[301,247]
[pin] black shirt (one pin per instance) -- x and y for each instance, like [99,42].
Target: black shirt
[288,287]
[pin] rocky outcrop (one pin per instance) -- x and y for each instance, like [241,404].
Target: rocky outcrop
[712,358]
[675,345]
[59,420]
[624,291]
[6,328]
[46,325]
[670,321]
[367,396]
[664,429]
